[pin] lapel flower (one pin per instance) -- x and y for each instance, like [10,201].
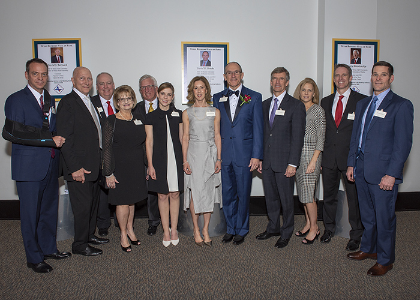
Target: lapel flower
[245,99]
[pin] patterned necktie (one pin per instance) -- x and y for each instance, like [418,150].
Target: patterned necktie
[150,107]
[339,111]
[273,112]
[41,102]
[110,110]
[369,116]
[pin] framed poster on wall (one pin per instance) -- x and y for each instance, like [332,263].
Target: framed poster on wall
[360,55]
[62,57]
[204,59]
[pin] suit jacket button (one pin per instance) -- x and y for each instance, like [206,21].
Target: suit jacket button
[230,137]
[271,134]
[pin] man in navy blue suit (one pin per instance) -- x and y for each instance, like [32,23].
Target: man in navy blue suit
[380,144]
[35,168]
[241,129]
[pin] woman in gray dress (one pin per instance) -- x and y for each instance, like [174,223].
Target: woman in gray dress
[307,174]
[201,149]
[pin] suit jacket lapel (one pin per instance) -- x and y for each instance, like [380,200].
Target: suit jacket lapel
[384,105]
[239,106]
[227,105]
[80,102]
[33,101]
[328,112]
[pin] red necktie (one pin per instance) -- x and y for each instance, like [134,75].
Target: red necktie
[41,102]
[339,111]
[110,110]
[58,59]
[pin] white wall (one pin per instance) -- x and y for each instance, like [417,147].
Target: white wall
[129,38]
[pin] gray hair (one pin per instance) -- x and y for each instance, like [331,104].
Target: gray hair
[147,76]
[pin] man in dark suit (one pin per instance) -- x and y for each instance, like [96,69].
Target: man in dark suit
[35,168]
[284,130]
[78,122]
[241,129]
[205,62]
[339,110]
[380,144]
[104,104]
[356,59]
[148,90]
[57,58]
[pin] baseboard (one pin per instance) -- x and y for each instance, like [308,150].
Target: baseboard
[406,201]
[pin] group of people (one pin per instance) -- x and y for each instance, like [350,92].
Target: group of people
[117,151]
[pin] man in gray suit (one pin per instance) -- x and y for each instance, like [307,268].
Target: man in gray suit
[284,130]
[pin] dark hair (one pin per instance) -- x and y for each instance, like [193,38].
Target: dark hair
[190,96]
[280,70]
[124,89]
[385,64]
[167,85]
[343,66]
[35,60]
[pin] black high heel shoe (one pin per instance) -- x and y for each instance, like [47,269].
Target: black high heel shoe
[126,249]
[136,242]
[310,242]
[302,234]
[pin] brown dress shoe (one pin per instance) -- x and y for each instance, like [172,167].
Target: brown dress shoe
[360,255]
[379,270]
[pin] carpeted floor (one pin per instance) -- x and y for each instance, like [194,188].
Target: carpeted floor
[253,270]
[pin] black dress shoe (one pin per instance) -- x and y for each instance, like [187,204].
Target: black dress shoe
[238,239]
[89,251]
[227,238]
[151,230]
[281,243]
[326,237]
[353,245]
[97,240]
[266,235]
[41,267]
[103,231]
[58,255]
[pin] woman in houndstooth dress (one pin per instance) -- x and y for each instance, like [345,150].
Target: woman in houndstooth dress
[307,174]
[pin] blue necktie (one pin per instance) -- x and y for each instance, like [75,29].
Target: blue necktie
[368,119]
[273,112]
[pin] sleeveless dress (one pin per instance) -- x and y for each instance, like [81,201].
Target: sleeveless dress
[202,184]
[314,140]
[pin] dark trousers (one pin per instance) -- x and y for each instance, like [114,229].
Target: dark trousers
[278,191]
[377,208]
[84,199]
[38,214]
[331,182]
[103,219]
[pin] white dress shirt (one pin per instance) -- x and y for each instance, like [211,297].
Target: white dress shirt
[233,101]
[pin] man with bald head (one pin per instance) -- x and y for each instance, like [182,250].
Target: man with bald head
[78,122]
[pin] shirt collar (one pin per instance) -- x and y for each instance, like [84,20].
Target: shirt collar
[35,92]
[81,95]
[279,97]
[238,89]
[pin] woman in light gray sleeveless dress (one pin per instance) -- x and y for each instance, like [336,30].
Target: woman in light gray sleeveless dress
[201,148]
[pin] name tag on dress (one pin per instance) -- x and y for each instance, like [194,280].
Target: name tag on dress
[380,113]
[223,99]
[175,114]
[100,109]
[280,112]
[350,116]
[210,113]
[138,122]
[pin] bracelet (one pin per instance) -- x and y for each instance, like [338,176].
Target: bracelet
[219,160]
[184,163]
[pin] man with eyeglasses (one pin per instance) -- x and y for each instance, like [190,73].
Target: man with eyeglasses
[35,164]
[104,104]
[241,128]
[148,90]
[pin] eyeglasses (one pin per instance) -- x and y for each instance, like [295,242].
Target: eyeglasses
[229,73]
[147,87]
[129,99]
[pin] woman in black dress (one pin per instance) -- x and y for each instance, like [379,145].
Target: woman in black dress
[164,155]
[123,143]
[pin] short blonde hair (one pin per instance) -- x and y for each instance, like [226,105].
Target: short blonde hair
[299,88]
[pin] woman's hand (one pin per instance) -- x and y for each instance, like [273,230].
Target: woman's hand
[311,167]
[187,168]
[218,166]
[151,172]
[111,181]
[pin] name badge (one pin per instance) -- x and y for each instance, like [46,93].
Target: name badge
[380,113]
[223,99]
[100,109]
[210,113]
[138,122]
[175,114]
[350,116]
[280,112]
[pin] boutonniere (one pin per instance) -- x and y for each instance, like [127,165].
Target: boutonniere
[245,99]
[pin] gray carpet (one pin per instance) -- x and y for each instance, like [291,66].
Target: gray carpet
[253,270]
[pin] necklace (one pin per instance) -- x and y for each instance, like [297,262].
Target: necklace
[125,118]
[195,116]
